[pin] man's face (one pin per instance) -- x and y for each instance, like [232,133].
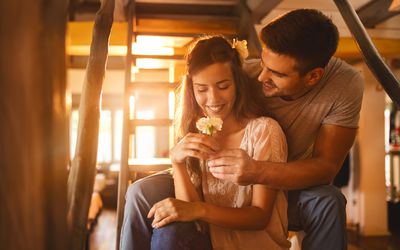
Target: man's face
[279,76]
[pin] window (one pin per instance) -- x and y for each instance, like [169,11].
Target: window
[110,135]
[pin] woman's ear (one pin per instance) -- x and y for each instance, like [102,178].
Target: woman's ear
[313,76]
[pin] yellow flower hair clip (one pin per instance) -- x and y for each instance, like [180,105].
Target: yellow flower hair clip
[241,47]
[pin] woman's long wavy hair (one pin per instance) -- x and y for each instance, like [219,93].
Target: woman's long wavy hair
[204,52]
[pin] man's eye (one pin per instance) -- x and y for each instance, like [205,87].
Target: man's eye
[279,75]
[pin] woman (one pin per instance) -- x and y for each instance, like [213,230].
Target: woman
[238,217]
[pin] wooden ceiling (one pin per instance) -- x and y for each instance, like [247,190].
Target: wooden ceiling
[195,17]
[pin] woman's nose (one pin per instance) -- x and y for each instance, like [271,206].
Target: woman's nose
[213,94]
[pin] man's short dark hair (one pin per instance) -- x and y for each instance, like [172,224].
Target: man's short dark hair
[307,35]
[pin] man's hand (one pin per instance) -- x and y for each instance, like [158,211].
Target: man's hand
[234,165]
[171,210]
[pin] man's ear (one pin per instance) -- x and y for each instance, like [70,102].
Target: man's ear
[313,76]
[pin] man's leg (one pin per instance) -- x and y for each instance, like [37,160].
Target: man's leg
[321,212]
[141,196]
[180,236]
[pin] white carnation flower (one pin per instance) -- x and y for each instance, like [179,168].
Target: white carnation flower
[209,126]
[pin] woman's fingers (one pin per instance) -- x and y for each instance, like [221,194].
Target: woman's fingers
[200,147]
[194,145]
[170,210]
[163,213]
[163,222]
[206,140]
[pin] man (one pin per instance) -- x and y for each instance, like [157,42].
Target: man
[316,99]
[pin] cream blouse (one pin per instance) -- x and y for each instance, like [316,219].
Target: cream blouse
[263,139]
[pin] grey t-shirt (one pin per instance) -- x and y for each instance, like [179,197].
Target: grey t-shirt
[335,100]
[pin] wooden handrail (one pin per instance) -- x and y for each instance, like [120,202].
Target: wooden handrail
[371,55]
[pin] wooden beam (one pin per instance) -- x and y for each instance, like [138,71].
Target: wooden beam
[184,9]
[80,62]
[389,48]
[81,33]
[375,12]
[83,169]
[203,26]
[395,6]
[33,129]
[259,9]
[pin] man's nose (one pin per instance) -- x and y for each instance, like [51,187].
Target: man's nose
[265,75]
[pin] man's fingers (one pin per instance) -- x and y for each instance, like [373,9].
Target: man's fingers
[223,170]
[227,153]
[226,162]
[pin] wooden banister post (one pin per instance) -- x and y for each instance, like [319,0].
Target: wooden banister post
[83,169]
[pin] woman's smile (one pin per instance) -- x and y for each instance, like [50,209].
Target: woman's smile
[215,109]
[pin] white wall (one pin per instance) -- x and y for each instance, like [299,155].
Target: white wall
[367,192]
[113,82]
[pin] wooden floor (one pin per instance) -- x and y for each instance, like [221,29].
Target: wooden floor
[104,233]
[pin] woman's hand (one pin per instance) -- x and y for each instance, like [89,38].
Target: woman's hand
[194,145]
[170,210]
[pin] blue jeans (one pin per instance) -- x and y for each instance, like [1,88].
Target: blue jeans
[319,211]
[180,236]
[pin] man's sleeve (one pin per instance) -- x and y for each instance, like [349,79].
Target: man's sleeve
[345,111]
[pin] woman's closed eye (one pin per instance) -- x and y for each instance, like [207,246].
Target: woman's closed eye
[201,89]
[224,85]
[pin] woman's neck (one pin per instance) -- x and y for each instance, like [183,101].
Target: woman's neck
[232,132]
[232,125]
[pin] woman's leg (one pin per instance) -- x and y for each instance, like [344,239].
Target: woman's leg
[180,236]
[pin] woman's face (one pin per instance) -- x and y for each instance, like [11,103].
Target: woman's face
[214,90]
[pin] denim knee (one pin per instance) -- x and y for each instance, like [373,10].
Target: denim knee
[180,236]
[323,204]
[330,197]
[151,189]
[132,191]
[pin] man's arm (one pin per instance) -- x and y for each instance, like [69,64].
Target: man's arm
[330,149]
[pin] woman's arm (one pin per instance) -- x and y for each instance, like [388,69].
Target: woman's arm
[254,217]
[195,145]
[184,188]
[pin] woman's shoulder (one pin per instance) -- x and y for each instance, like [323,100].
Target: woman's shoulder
[263,121]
